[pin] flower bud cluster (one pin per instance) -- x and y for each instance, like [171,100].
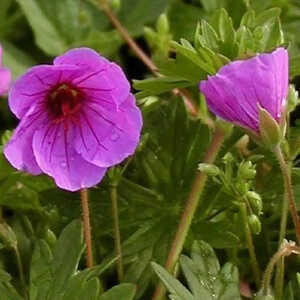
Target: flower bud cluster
[160,39]
[237,181]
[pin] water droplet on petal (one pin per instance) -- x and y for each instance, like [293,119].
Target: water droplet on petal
[114,137]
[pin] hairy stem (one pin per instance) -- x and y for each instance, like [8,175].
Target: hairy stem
[86,226]
[117,236]
[279,277]
[190,104]
[289,190]
[190,209]
[285,250]
[251,249]
[127,38]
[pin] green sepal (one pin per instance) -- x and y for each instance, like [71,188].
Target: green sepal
[270,132]
[209,169]
[254,224]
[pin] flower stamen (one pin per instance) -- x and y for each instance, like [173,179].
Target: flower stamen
[64,101]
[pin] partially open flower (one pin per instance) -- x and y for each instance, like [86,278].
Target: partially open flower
[78,118]
[5,77]
[241,88]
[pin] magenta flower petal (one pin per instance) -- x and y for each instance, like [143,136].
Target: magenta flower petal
[32,88]
[235,91]
[118,137]
[19,150]
[89,120]
[56,156]
[105,80]
[5,77]
[84,57]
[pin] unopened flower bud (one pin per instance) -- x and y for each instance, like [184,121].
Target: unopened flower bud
[242,187]
[246,170]
[228,157]
[6,136]
[8,236]
[293,98]
[255,224]
[50,237]
[255,201]
[208,169]
[115,4]
[163,24]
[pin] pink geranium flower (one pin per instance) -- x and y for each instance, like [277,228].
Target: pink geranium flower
[239,88]
[77,118]
[5,77]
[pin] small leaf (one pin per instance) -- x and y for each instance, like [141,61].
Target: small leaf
[172,284]
[226,30]
[272,36]
[78,283]
[245,40]
[18,196]
[155,86]
[210,36]
[190,53]
[267,16]
[124,291]
[39,14]
[203,277]
[228,46]
[66,255]
[248,19]
[210,5]
[40,271]
[7,291]
[217,234]
[89,291]
[294,64]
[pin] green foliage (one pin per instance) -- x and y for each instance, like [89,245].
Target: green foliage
[215,45]
[54,273]
[187,40]
[205,278]
[124,291]
[53,23]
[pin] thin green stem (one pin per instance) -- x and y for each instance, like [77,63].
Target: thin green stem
[253,260]
[21,271]
[117,236]
[285,250]
[189,210]
[289,190]
[86,226]
[279,276]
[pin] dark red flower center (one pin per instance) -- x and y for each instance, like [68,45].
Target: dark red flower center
[64,101]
